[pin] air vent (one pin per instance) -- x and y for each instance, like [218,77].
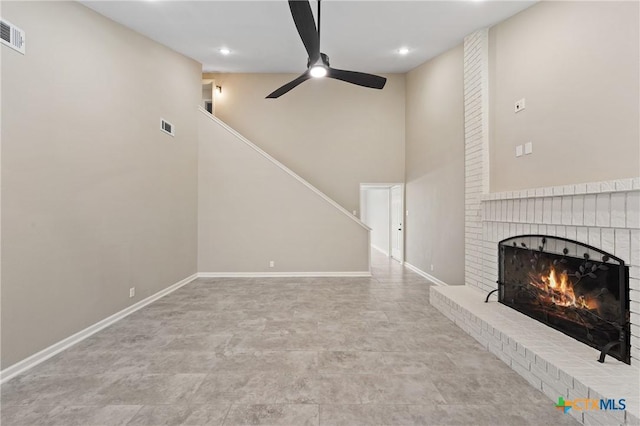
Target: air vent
[167,127]
[12,36]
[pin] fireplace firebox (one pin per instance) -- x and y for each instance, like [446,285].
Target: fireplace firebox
[575,288]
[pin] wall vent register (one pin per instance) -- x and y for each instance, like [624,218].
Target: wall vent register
[12,36]
[167,127]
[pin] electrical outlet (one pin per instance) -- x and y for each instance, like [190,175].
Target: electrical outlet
[432,268]
[519,105]
[132,292]
[519,151]
[272,264]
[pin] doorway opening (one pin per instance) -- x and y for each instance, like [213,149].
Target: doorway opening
[208,95]
[381,209]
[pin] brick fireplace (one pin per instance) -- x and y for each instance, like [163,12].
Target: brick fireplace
[604,215]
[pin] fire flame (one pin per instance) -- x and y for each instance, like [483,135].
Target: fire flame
[558,289]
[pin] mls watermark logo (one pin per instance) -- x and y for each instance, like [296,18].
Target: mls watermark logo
[584,404]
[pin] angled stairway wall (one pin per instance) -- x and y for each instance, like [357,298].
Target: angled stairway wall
[253,210]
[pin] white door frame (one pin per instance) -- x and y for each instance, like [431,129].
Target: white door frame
[401,219]
[388,186]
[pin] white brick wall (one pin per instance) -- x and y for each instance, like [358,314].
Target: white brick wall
[476,90]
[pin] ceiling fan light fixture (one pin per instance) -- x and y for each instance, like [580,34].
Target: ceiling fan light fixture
[318,63]
[318,71]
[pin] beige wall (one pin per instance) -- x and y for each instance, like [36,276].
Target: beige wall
[95,199]
[435,167]
[576,64]
[333,134]
[252,212]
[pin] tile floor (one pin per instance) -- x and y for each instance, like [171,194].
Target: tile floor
[280,351]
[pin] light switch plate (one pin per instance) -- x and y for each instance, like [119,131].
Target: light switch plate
[519,151]
[528,148]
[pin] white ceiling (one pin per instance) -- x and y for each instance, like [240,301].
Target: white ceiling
[357,35]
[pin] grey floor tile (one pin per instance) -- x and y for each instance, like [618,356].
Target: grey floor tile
[294,362]
[290,327]
[204,342]
[165,362]
[376,414]
[184,415]
[150,389]
[246,388]
[160,415]
[417,362]
[318,389]
[406,316]
[109,415]
[73,362]
[277,342]
[206,415]
[24,415]
[413,389]
[140,340]
[484,387]
[477,362]
[55,390]
[274,414]
[350,362]
[367,341]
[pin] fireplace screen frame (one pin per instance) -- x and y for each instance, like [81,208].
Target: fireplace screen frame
[560,246]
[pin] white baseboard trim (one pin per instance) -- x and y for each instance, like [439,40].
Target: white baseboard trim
[425,275]
[35,359]
[347,274]
[386,253]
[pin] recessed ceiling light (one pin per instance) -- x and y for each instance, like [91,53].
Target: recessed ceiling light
[403,50]
[225,51]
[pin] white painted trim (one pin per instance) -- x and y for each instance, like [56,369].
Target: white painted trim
[35,359]
[403,219]
[425,275]
[366,186]
[284,168]
[380,250]
[369,253]
[601,187]
[347,274]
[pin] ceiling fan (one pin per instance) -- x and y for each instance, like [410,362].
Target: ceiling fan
[318,62]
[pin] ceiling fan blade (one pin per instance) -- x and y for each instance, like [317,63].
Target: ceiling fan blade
[359,78]
[306,25]
[290,85]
